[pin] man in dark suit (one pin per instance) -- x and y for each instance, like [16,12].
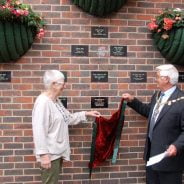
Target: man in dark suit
[165,115]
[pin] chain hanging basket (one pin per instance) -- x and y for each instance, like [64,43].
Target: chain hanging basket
[168,34]
[15,40]
[19,25]
[173,47]
[99,7]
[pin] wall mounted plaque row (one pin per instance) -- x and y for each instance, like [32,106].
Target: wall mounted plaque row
[5,76]
[142,77]
[83,50]
[96,102]
[99,102]
[97,76]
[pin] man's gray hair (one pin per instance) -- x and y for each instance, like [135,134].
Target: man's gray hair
[51,76]
[170,71]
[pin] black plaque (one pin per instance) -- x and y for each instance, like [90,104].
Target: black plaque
[99,76]
[99,32]
[5,76]
[80,50]
[138,77]
[99,102]
[181,76]
[65,74]
[118,51]
[63,101]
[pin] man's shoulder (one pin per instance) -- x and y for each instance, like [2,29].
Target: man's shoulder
[180,92]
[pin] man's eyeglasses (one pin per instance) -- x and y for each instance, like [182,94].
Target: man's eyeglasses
[60,83]
[158,77]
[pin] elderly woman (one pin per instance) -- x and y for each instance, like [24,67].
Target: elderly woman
[50,122]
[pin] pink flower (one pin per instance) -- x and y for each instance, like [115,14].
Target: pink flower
[178,18]
[152,26]
[18,12]
[168,23]
[21,12]
[41,33]
[15,13]
[41,30]
[26,12]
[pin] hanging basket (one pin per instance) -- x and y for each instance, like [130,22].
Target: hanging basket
[173,47]
[15,40]
[100,7]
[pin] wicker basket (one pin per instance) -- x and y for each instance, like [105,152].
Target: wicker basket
[15,40]
[99,7]
[173,47]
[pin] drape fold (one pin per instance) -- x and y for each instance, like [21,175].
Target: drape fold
[106,137]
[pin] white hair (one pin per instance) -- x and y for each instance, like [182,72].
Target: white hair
[170,71]
[51,76]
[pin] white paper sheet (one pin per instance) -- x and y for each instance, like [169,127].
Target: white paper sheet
[157,158]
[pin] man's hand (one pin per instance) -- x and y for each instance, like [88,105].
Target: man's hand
[45,161]
[127,97]
[171,151]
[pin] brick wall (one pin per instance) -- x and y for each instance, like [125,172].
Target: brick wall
[67,25]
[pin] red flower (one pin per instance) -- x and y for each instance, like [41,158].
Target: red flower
[168,23]
[167,20]
[152,26]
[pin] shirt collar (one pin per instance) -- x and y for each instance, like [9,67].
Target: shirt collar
[169,91]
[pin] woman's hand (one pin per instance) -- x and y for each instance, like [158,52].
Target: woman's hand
[127,97]
[93,113]
[45,161]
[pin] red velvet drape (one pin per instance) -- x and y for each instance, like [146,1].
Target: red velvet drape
[105,137]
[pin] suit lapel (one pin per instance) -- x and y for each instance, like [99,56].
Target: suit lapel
[153,102]
[167,107]
[152,106]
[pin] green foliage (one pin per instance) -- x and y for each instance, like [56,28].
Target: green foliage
[14,11]
[167,20]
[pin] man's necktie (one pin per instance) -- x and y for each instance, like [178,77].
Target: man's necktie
[155,115]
